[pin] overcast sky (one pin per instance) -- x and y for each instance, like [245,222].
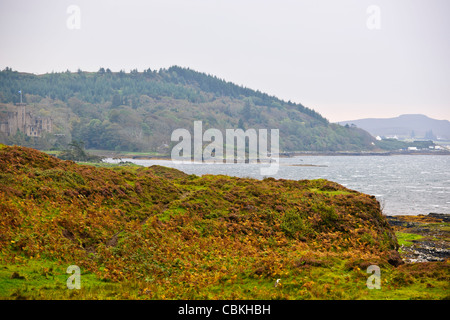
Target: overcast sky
[346,59]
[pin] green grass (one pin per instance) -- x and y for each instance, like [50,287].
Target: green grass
[109,165]
[405,239]
[44,279]
[165,216]
[126,153]
[54,153]
[332,192]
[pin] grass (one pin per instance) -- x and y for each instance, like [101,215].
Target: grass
[118,154]
[54,153]
[332,192]
[43,279]
[406,239]
[109,165]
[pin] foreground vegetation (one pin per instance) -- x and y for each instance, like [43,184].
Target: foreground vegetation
[157,233]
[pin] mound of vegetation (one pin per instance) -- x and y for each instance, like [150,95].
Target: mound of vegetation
[138,111]
[158,233]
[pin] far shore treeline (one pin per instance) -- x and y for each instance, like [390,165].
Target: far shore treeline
[138,111]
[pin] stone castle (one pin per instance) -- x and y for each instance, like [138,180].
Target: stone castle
[23,121]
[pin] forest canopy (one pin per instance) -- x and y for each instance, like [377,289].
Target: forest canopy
[137,111]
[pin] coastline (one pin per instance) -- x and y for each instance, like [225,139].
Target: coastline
[363,153]
[422,238]
[119,155]
[297,154]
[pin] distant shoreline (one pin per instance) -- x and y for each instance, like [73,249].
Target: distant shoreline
[363,153]
[114,155]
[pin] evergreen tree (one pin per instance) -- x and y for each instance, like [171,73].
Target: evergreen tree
[116,101]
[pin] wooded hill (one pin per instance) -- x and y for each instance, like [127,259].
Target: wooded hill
[137,111]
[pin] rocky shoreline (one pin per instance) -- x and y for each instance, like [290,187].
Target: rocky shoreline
[422,238]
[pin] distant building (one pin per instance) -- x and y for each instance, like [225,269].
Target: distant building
[412,148]
[23,121]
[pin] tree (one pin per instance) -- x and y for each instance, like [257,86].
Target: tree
[241,124]
[247,110]
[76,152]
[116,100]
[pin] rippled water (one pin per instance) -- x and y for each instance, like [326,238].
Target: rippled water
[404,184]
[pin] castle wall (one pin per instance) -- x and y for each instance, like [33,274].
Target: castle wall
[26,123]
[13,123]
[4,127]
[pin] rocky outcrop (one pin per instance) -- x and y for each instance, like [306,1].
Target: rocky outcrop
[434,241]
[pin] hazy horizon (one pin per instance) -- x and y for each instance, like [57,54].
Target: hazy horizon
[400,115]
[348,59]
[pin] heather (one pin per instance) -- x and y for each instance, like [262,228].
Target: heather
[158,233]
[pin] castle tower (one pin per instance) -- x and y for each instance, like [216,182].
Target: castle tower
[21,117]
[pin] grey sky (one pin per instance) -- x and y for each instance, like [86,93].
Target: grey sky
[317,52]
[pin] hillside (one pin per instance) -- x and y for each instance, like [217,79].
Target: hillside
[138,111]
[157,233]
[415,126]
